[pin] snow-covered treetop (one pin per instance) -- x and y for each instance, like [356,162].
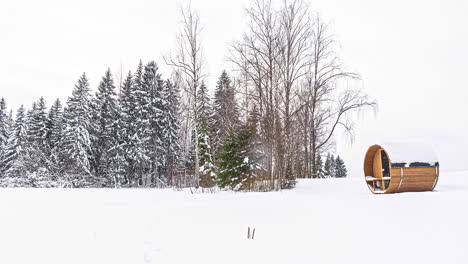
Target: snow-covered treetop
[404,154]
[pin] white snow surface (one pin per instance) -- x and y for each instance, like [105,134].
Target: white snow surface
[321,221]
[409,152]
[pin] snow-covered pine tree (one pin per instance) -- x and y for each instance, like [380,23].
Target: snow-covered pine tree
[55,127]
[55,124]
[10,119]
[332,166]
[225,118]
[38,128]
[319,168]
[239,160]
[4,128]
[103,125]
[340,168]
[204,112]
[159,123]
[207,168]
[327,170]
[117,161]
[171,130]
[76,142]
[128,105]
[139,136]
[4,125]
[153,86]
[14,157]
[38,150]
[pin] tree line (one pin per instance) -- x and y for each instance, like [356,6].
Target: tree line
[269,122]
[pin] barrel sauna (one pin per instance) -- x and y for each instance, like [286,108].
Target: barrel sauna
[401,167]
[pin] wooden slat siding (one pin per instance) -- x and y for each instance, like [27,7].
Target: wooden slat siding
[395,174]
[418,179]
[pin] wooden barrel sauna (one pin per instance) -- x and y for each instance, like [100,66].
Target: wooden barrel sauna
[401,167]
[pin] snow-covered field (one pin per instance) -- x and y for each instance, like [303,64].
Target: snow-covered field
[321,221]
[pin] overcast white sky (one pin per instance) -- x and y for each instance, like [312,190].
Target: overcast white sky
[412,55]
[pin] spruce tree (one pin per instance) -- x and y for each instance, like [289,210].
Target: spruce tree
[37,128]
[207,168]
[55,127]
[38,150]
[319,167]
[203,105]
[139,136]
[128,104]
[4,124]
[171,129]
[103,125]
[117,164]
[14,157]
[153,86]
[225,116]
[340,168]
[332,166]
[327,170]
[239,160]
[76,140]
[203,114]
[55,124]
[4,129]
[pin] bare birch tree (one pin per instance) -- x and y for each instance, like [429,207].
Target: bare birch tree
[188,61]
[289,62]
[293,61]
[324,106]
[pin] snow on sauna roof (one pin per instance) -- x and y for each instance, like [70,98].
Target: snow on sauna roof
[411,154]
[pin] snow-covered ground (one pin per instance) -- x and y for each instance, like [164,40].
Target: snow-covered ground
[321,221]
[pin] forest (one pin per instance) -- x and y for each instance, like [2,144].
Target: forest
[270,120]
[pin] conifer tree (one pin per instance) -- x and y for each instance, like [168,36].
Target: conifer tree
[76,140]
[207,168]
[225,118]
[4,129]
[153,86]
[14,157]
[37,148]
[138,132]
[203,105]
[171,129]
[55,124]
[332,166]
[117,164]
[55,127]
[340,168]
[37,130]
[319,168]
[239,160]
[127,105]
[4,124]
[103,126]
[327,170]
